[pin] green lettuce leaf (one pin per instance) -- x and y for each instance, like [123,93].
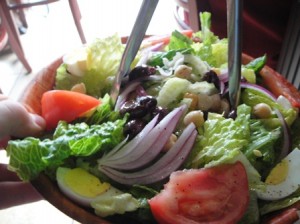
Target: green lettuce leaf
[257,64]
[261,150]
[103,113]
[102,62]
[178,41]
[157,58]
[212,49]
[30,156]
[252,97]
[222,139]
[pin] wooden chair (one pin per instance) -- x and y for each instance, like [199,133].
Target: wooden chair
[8,21]
[186,14]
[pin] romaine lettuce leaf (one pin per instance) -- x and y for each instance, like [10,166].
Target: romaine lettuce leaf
[252,97]
[102,62]
[222,138]
[211,49]
[178,41]
[30,156]
[261,148]
[103,113]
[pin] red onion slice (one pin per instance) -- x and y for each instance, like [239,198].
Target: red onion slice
[118,153]
[151,146]
[286,146]
[160,170]
[258,88]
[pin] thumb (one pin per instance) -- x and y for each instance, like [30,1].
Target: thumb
[34,125]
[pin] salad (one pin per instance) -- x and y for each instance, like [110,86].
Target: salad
[171,150]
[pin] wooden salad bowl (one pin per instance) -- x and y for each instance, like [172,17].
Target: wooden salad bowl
[44,81]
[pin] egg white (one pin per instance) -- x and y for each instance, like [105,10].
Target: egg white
[82,200]
[289,185]
[76,61]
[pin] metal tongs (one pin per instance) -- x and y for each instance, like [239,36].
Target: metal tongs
[234,32]
[133,44]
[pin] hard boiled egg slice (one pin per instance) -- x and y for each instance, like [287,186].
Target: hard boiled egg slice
[284,178]
[79,185]
[76,61]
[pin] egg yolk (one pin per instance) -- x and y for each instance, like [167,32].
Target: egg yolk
[279,173]
[84,183]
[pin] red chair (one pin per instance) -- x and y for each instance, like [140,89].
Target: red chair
[9,24]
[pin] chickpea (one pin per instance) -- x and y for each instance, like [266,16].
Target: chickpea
[262,110]
[257,153]
[224,107]
[212,102]
[195,116]
[183,71]
[172,140]
[80,88]
[215,102]
[194,99]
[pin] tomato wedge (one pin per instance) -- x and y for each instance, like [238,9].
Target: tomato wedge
[211,195]
[65,105]
[278,85]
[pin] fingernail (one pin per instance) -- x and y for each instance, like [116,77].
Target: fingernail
[39,120]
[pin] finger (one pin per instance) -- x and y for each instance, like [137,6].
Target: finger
[33,125]
[17,121]
[17,193]
[4,141]
[7,175]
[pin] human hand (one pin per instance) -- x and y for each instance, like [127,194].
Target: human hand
[13,191]
[16,121]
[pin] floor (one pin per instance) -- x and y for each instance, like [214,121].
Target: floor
[51,33]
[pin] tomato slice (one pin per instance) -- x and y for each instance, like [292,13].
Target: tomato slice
[278,85]
[65,105]
[211,195]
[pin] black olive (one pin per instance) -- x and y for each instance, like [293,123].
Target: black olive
[212,77]
[162,112]
[140,72]
[133,127]
[232,114]
[149,102]
[134,109]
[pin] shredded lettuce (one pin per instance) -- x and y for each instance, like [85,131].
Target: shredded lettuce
[30,156]
[157,58]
